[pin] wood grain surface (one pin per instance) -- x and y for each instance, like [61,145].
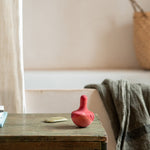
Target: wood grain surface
[29,131]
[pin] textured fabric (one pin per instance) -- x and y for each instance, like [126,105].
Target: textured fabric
[128,106]
[11,60]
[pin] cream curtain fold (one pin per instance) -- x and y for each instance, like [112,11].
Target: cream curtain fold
[11,56]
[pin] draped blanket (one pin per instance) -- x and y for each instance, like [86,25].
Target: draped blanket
[128,107]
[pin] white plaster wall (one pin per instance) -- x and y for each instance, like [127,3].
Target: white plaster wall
[79,34]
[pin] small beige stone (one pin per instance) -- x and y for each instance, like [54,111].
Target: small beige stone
[55,119]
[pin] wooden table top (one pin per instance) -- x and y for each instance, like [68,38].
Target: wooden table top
[31,127]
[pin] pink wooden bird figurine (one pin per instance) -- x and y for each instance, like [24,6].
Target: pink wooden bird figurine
[82,117]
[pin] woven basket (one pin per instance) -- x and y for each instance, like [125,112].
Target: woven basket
[142,35]
[142,38]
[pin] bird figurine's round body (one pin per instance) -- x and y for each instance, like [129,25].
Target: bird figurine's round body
[82,117]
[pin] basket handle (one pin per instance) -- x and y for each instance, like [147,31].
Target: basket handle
[136,6]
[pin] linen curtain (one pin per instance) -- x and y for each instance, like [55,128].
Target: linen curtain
[11,56]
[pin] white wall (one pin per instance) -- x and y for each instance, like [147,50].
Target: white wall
[79,34]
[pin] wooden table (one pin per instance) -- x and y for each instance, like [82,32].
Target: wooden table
[30,132]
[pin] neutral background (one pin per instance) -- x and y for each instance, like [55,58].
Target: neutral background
[79,34]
